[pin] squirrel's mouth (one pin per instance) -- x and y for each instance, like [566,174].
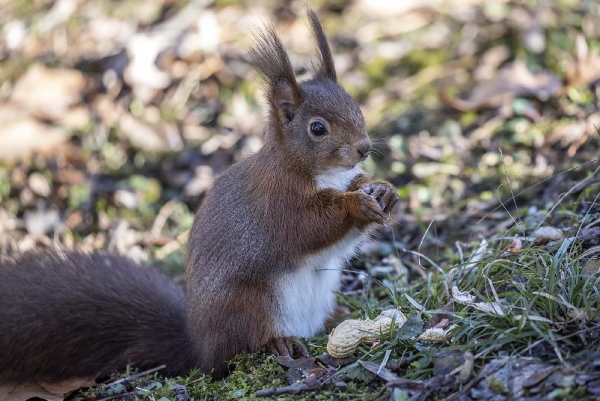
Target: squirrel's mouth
[347,167]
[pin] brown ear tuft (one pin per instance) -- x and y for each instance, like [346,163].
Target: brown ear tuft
[269,57]
[326,66]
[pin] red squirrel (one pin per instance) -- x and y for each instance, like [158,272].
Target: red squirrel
[263,256]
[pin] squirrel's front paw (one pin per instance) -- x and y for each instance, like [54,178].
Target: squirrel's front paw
[384,193]
[368,209]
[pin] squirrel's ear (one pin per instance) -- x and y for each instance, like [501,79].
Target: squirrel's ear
[286,103]
[326,67]
[268,56]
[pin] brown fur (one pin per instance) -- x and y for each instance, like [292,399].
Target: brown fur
[265,214]
[86,314]
[326,68]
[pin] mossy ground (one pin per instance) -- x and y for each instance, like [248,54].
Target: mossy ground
[491,173]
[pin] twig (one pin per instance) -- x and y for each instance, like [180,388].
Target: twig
[570,191]
[135,376]
[473,382]
[295,388]
[116,397]
[538,342]
[161,218]
[385,359]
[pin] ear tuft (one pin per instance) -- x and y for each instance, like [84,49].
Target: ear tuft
[326,66]
[269,57]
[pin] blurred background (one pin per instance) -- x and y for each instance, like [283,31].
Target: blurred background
[115,116]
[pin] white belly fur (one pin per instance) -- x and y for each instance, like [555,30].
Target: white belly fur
[307,296]
[337,179]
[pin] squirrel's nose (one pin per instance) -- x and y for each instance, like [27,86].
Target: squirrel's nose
[364,150]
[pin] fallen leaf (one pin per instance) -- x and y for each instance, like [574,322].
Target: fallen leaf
[27,136]
[547,233]
[533,317]
[383,373]
[585,66]
[301,367]
[10,113]
[466,369]
[462,297]
[511,82]
[538,376]
[590,236]
[76,118]
[357,372]
[327,359]
[515,245]
[43,390]
[56,90]
[447,361]
[39,184]
[466,299]
[434,335]
[442,315]
[592,267]
[581,315]
[411,328]
[442,324]
[593,264]
[141,135]
[489,307]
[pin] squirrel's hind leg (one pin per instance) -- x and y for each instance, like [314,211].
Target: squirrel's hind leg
[284,346]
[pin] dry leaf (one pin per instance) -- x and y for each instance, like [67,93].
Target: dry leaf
[42,390]
[441,318]
[467,299]
[592,267]
[489,307]
[462,297]
[512,81]
[442,324]
[581,315]
[434,335]
[466,369]
[10,113]
[585,67]
[593,264]
[141,135]
[76,118]
[532,317]
[438,333]
[514,246]
[547,233]
[24,137]
[55,90]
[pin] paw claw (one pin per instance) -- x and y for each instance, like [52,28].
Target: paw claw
[383,193]
[284,347]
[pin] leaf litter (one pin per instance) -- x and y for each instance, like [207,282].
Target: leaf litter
[144,104]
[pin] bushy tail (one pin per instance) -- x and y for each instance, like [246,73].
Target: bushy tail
[65,315]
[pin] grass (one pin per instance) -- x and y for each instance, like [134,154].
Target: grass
[549,310]
[442,161]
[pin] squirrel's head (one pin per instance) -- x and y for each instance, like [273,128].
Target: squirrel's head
[315,121]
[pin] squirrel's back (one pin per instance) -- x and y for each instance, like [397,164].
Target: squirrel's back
[76,314]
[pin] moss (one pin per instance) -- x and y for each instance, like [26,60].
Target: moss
[252,372]
[419,59]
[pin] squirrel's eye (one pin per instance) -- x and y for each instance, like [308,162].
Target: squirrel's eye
[317,129]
